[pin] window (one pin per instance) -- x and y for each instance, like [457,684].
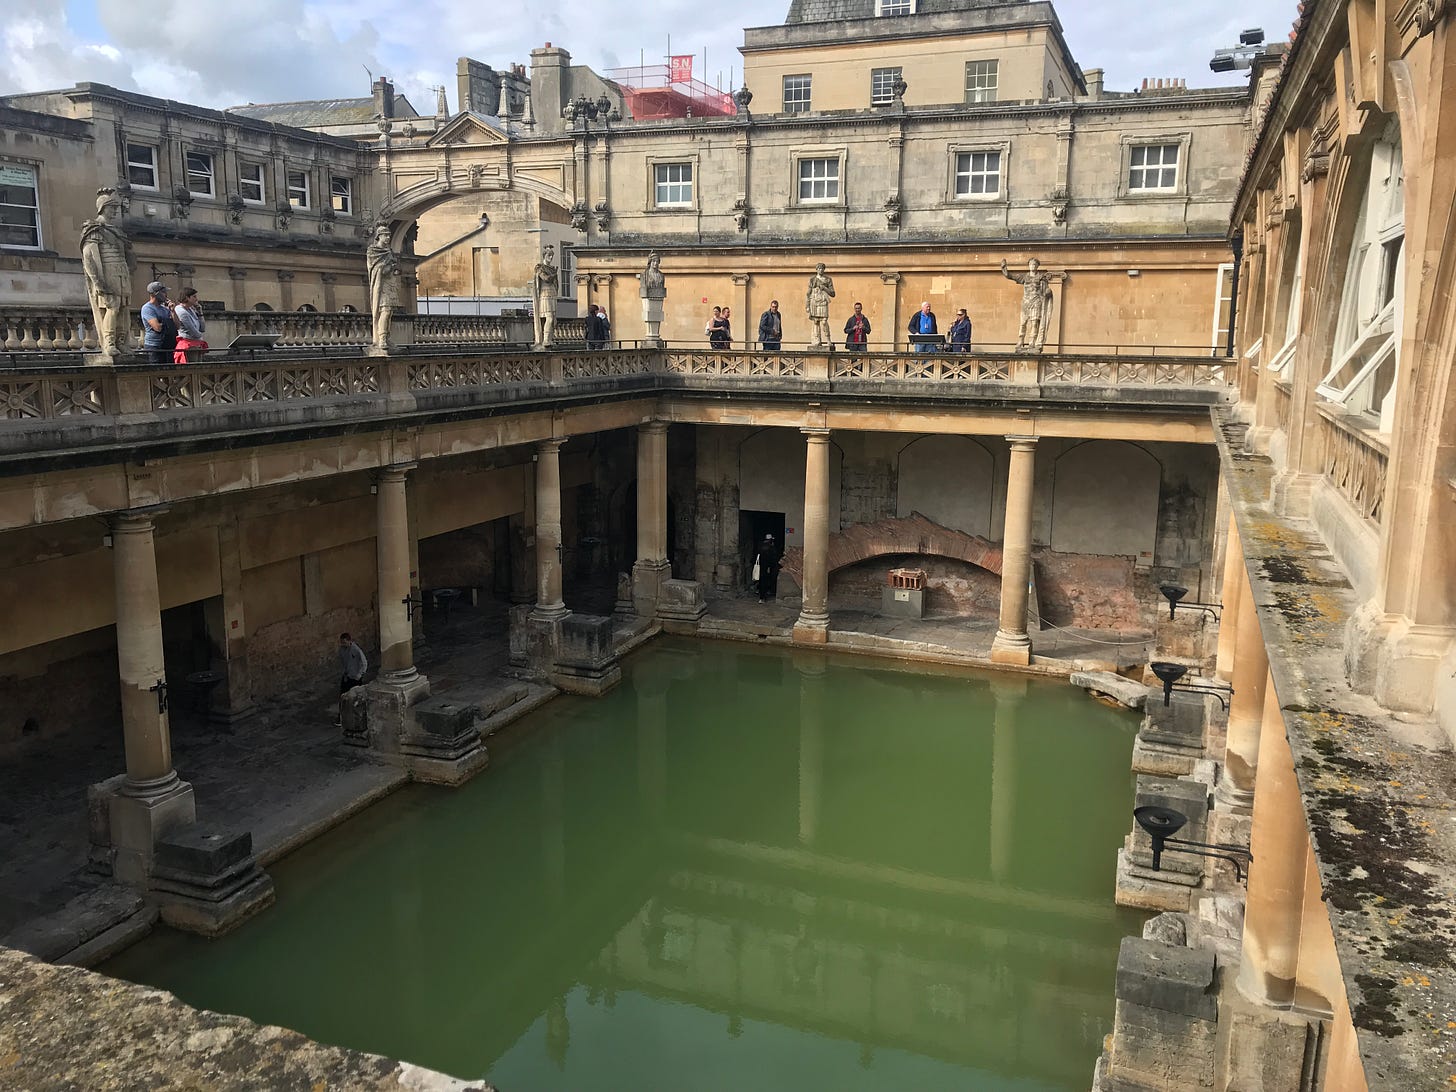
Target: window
[818,180]
[894,7]
[19,207]
[882,86]
[341,191]
[796,94]
[1222,308]
[674,185]
[199,173]
[1362,376]
[141,166]
[977,174]
[250,183]
[982,78]
[1153,167]
[298,189]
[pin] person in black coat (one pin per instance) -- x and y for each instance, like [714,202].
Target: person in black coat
[768,569]
[596,334]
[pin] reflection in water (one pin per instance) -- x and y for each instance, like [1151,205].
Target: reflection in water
[742,868]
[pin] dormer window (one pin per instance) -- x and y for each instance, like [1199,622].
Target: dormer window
[894,7]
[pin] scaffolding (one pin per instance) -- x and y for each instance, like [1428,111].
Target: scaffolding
[652,92]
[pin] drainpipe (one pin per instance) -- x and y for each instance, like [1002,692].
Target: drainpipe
[1237,242]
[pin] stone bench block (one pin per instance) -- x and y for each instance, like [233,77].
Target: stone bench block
[1128,692]
[1171,978]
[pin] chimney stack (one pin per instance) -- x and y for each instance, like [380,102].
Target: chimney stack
[383,98]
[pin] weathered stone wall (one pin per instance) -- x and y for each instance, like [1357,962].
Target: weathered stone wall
[952,586]
[58,688]
[63,1028]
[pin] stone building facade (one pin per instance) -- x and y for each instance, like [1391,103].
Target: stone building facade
[254,214]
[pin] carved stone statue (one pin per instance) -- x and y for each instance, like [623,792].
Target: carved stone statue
[543,311]
[652,287]
[383,284]
[816,303]
[1036,305]
[108,262]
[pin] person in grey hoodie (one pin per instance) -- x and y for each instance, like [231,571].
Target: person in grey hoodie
[352,664]
[190,328]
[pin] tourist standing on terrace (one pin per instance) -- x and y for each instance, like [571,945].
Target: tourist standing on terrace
[766,564]
[771,328]
[857,330]
[923,322]
[159,328]
[595,337]
[959,333]
[190,328]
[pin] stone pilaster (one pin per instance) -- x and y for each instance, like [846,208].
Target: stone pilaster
[549,604]
[1246,707]
[1274,907]
[1012,645]
[652,566]
[813,624]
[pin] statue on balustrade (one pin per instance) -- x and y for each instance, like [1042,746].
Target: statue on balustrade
[108,262]
[652,287]
[816,303]
[1036,305]
[384,274]
[543,310]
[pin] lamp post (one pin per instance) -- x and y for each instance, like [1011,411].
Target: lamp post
[1174,594]
[1162,823]
[1169,674]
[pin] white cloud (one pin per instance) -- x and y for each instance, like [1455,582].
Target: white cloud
[277,50]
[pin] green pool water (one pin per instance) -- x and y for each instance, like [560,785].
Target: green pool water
[744,868]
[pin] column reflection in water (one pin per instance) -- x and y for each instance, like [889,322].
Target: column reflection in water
[739,869]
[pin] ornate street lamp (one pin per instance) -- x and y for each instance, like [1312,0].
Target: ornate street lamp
[1169,673]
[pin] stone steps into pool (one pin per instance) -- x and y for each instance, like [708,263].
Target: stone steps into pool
[91,927]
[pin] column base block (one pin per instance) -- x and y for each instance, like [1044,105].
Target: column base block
[1231,799]
[681,606]
[443,745]
[206,880]
[586,661]
[125,828]
[647,580]
[1011,648]
[811,629]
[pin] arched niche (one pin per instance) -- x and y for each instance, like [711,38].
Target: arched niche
[949,479]
[1105,500]
[771,478]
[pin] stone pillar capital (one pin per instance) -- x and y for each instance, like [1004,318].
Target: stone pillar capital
[1022,443]
[741,279]
[655,428]
[550,447]
[137,521]
[395,472]
[816,435]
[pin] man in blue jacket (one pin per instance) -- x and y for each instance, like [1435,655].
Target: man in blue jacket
[923,322]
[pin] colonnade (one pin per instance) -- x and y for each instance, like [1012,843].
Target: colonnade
[150,775]
[1288,958]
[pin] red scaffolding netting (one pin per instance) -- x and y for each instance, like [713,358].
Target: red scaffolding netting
[669,91]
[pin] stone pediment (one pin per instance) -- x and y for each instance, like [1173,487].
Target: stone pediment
[470,129]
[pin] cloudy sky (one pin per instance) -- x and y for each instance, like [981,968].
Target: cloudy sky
[224,53]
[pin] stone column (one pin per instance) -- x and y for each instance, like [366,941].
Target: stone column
[549,605]
[1007,693]
[1233,578]
[139,657]
[1012,645]
[652,566]
[1274,908]
[1246,707]
[131,812]
[396,634]
[813,625]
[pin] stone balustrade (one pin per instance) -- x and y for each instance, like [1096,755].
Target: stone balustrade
[41,405]
[47,329]
[1354,461]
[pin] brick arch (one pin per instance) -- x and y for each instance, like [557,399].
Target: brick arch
[913,534]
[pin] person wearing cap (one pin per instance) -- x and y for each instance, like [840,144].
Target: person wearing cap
[159,328]
[959,334]
[767,564]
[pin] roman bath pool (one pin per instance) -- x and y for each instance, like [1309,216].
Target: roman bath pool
[743,868]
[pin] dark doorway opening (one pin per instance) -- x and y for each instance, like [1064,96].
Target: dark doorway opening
[752,526]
